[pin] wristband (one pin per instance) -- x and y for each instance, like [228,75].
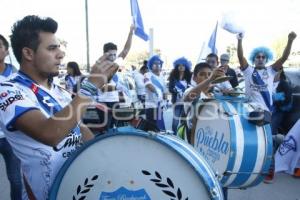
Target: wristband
[88,89]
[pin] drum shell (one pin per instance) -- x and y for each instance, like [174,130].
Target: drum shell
[238,151]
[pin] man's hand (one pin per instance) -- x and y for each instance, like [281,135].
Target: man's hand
[240,36]
[216,73]
[292,35]
[102,71]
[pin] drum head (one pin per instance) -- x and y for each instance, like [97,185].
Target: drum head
[135,165]
[211,135]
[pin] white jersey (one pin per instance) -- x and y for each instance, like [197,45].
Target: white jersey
[152,99]
[139,83]
[253,90]
[39,162]
[71,82]
[3,78]
[187,105]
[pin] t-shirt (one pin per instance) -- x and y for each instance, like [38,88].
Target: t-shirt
[8,71]
[139,83]
[40,163]
[152,98]
[71,82]
[177,88]
[187,105]
[253,90]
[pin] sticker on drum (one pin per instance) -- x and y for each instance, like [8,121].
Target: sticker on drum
[133,164]
[238,151]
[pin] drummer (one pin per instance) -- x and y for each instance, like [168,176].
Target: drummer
[200,87]
[203,75]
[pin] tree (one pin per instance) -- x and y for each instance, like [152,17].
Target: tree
[232,52]
[137,58]
[278,46]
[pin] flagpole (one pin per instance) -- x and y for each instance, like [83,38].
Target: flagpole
[87,37]
[201,52]
[151,42]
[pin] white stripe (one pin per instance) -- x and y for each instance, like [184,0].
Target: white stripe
[261,154]
[239,143]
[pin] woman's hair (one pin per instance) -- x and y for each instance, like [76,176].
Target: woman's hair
[266,51]
[182,61]
[187,72]
[75,68]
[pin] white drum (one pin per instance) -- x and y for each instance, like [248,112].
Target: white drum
[239,151]
[133,164]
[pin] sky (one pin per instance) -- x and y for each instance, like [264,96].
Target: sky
[180,26]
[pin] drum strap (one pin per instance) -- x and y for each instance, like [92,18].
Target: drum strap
[186,130]
[28,190]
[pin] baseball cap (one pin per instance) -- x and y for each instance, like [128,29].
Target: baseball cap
[224,57]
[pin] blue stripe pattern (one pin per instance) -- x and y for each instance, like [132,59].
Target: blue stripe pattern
[233,147]
[157,83]
[250,152]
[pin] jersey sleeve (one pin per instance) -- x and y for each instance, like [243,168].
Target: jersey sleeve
[147,79]
[13,104]
[248,71]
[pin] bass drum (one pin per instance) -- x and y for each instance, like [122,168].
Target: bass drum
[239,151]
[132,164]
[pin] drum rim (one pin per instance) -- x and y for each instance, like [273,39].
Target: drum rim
[136,132]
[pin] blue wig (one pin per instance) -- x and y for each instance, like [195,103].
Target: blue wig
[266,51]
[182,61]
[153,59]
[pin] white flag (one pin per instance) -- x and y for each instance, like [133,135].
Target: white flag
[230,24]
[287,157]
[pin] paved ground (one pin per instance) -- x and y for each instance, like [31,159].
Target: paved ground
[285,187]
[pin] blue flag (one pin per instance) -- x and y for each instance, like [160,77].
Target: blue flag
[212,41]
[209,47]
[138,22]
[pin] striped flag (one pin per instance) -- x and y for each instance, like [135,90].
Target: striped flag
[209,47]
[137,19]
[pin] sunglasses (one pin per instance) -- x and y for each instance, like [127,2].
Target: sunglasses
[224,60]
[260,57]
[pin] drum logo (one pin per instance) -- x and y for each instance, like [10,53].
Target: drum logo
[214,141]
[125,194]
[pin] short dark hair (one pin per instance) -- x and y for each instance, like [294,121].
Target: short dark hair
[5,42]
[109,46]
[213,55]
[143,69]
[75,68]
[200,66]
[25,33]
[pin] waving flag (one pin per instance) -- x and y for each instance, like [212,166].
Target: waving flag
[209,47]
[231,23]
[138,22]
[212,41]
